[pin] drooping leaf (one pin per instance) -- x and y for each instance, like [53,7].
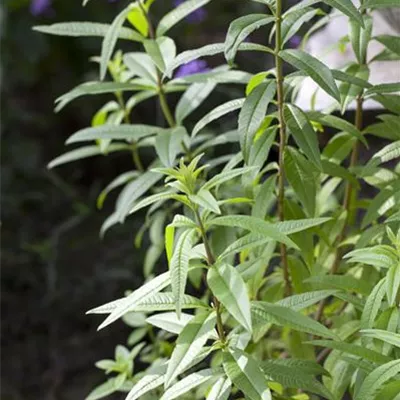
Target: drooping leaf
[79,29]
[246,375]
[264,312]
[144,292]
[376,379]
[216,113]
[252,114]
[179,266]
[190,382]
[229,288]
[314,68]
[240,28]
[178,14]
[189,344]
[303,133]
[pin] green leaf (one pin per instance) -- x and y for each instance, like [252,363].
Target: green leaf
[179,266]
[294,20]
[128,303]
[314,68]
[347,8]
[240,29]
[303,133]
[393,284]
[264,198]
[149,200]
[168,144]
[354,80]
[360,37]
[301,301]
[254,225]
[153,378]
[341,282]
[252,114]
[110,40]
[116,132]
[205,199]
[246,375]
[264,312]
[141,64]
[218,112]
[353,349]
[293,374]
[259,151]
[299,225]
[333,169]
[194,96]
[86,29]
[229,288]
[190,55]
[385,336]
[178,14]
[189,344]
[166,302]
[103,390]
[225,176]
[84,152]
[169,321]
[383,202]
[94,88]
[390,42]
[133,191]
[383,88]
[247,242]
[137,17]
[220,390]
[376,379]
[373,305]
[190,382]
[379,4]
[337,123]
[304,182]
[388,153]
[162,51]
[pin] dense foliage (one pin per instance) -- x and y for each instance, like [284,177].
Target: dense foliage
[290,275]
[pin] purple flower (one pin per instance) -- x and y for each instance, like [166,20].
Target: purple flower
[40,7]
[295,41]
[192,67]
[196,16]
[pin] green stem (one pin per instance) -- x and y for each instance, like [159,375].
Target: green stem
[282,140]
[135,153]
[211,262]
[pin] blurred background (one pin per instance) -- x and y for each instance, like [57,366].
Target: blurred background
[54,265]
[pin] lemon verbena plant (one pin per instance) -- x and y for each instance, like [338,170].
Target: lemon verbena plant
[273,269]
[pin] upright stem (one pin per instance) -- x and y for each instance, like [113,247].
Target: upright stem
[282,141]
[346,204]
[210,262]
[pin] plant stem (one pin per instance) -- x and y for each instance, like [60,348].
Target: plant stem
[211,262]
[346,204]
[282,141]
[135,153]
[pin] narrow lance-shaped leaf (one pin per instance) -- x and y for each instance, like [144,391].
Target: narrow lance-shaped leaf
[314,68]
[168,144]
[379,4]
[240,28]
[252,114]
[218,112]
[347,8]
[110,39]
[189,344]
[283,316]
[303,133]
[393,284]
[376,379]
[385,336]
[229,288]
[79,29]
[246,375]
[177,14]
[360,38]
[179,266]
